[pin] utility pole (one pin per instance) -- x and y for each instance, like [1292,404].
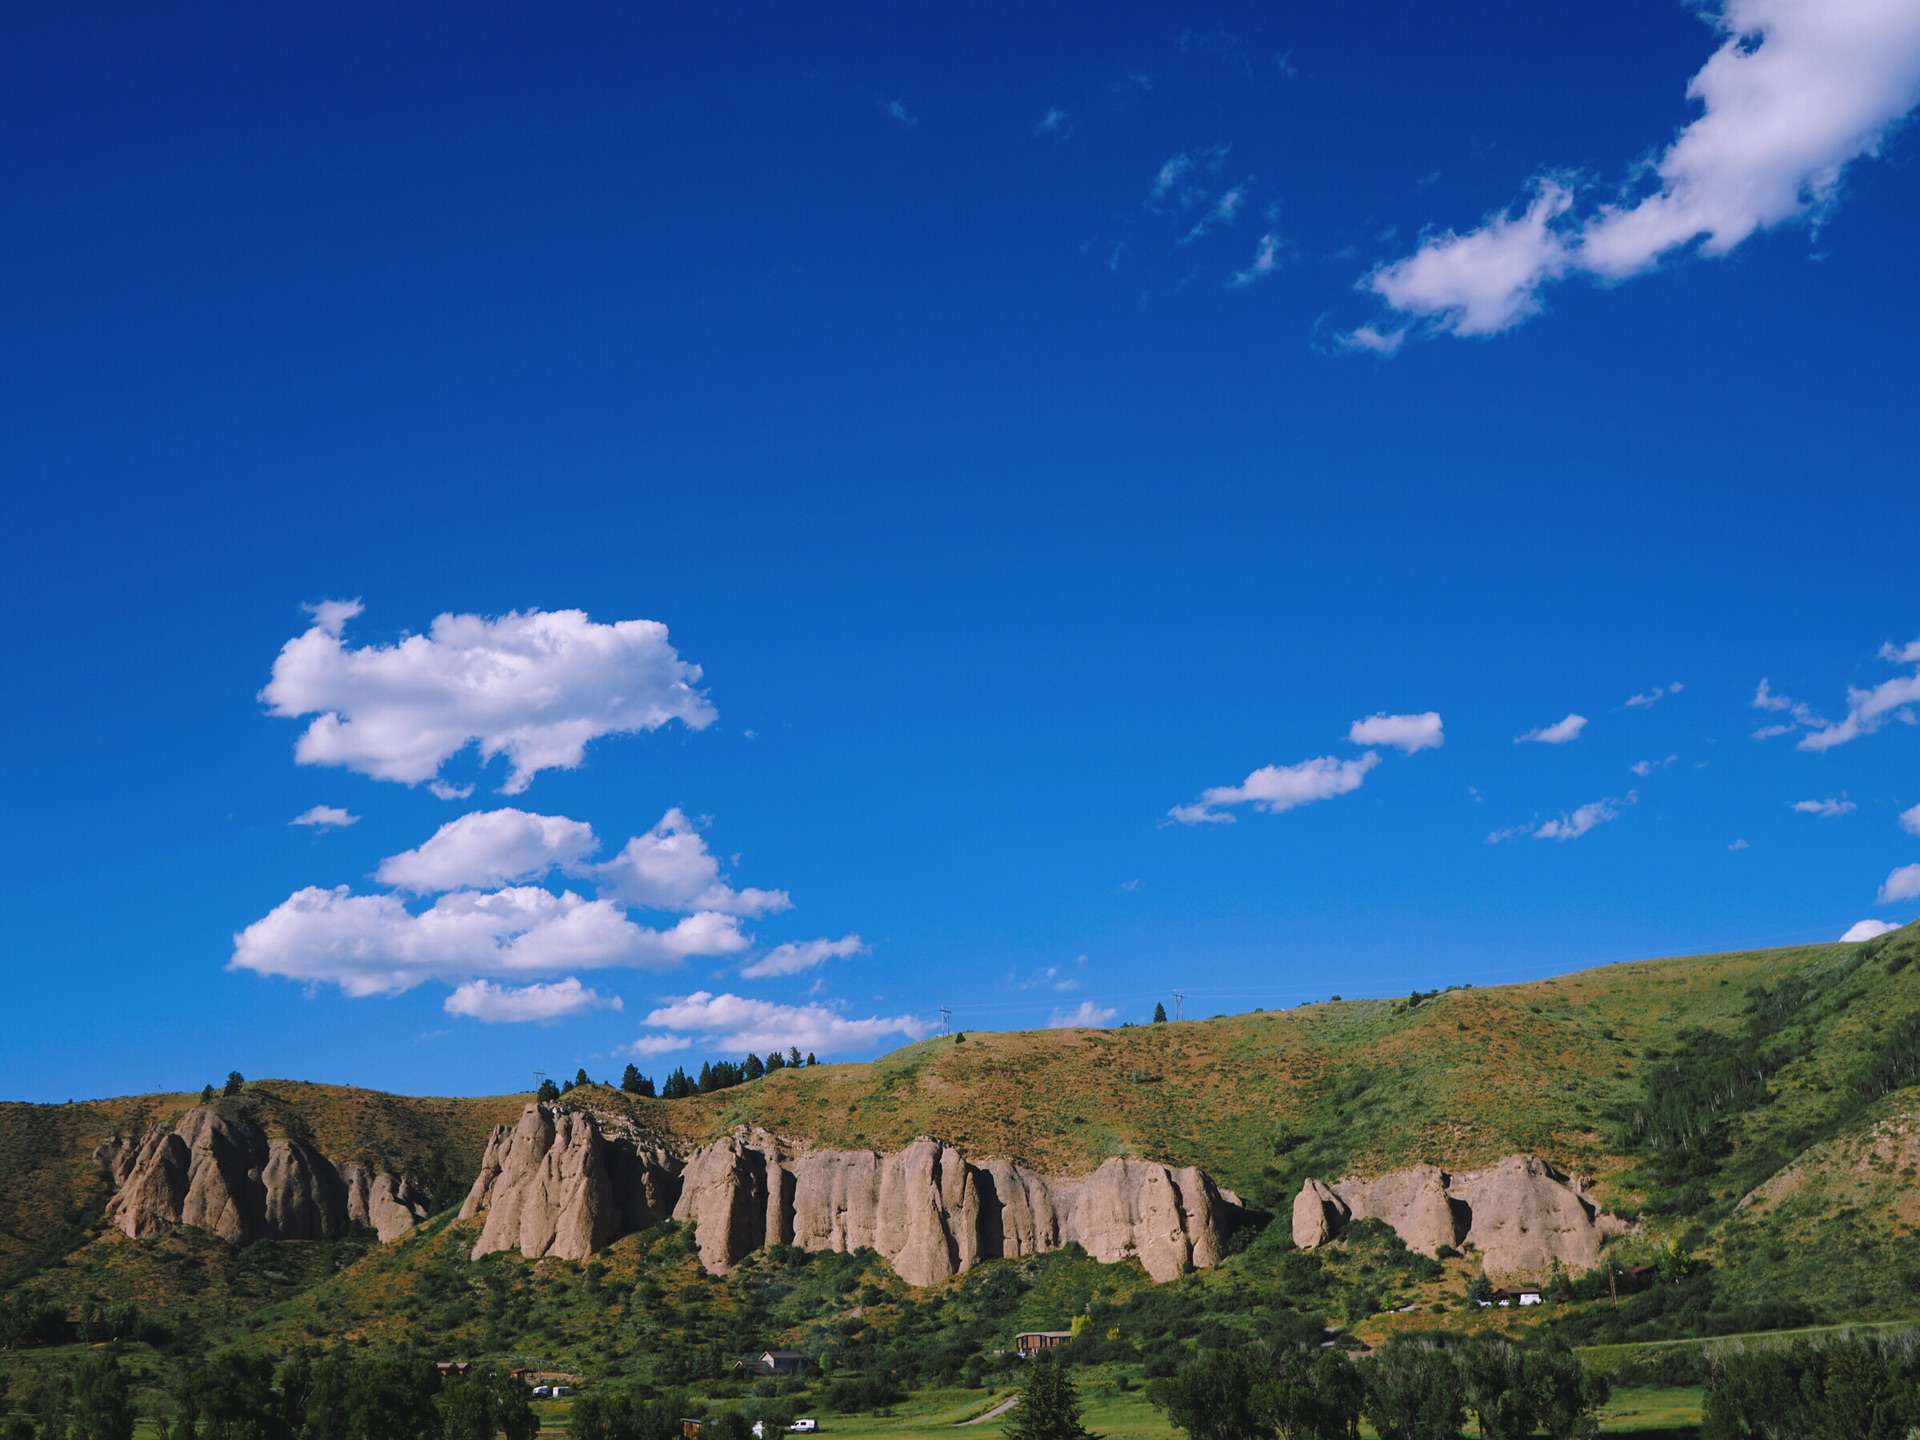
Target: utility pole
[1179,1004]
[946,1021]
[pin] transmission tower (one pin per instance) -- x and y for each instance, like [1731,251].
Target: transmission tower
[946,1021]
[1179,1004]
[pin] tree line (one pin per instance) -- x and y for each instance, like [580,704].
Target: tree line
[1411,1388]
[714,1075]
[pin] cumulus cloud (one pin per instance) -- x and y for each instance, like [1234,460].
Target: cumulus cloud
[1866,930]
[373,944]
[325,817]
[1797,90]
[670,868]
[660,1044]
[483,1000]
[534,686]
[734,1022]
[1407,733]
[1827,808]
[1902,884]
[489,848]
[1558,733]
[1278,788]
[1868,710]
[1085,1015]
[797,955]
[1910,820]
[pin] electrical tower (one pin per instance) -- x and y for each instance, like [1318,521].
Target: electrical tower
[946,1021]
[1179,1004]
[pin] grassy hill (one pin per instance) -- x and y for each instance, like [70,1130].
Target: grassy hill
[1761,1110]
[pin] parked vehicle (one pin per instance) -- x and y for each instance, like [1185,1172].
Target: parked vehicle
[803,1427]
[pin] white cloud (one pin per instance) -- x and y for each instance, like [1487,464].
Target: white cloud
[1486,280]
[1739,845]
[660,1044]
[1266,260]
[1054,122]
[1170,175]
[325,817]
[441,789]
[1828,808]
[797,955]
[1086,1015]
[534,686]
[670,868]
[1910,820]
[1868,710]
[489,848]
[897,110]
[733,1022]
[1407,733]
[372,944]
[1866,930]
[1278,788]
[1558,733]
[1223,212]
[1902,884]
[1644,768]
[1796,91]
[1579,822]
[1650,697]
[483,1000]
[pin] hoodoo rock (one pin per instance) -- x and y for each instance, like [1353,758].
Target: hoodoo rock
[554,1184]
[1521,1214]
[559,1184]
[216,1173]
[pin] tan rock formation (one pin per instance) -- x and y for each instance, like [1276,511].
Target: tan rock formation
[550,1186]
[216,1173]
[1521,1214]
[547,1186]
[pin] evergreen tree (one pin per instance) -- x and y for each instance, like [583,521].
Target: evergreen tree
[810,1059]
[580,1077]
[1159,1014]
[793,1057]
[754,1068]
[234,1082]
[206,1094]
[548,1091]
[705,1085]
[630,1080]
[102,1406]
[1049,1407]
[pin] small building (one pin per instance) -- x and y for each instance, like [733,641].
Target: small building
[1632,1279]
[1029,1343]
[453,1367]
[1523,1295]
[778,1362]
[689,1430]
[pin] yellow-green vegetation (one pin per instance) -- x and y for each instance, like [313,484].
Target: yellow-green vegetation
[1757,1115]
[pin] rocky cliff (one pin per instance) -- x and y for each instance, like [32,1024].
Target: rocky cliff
[213,1172]
[558,1183]
[1521,1214]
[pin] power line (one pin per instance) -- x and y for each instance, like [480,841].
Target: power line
[1179,1005]
[946,1021]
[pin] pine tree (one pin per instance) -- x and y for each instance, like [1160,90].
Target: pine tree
[754,1068]
[547,1092]
[630,1080]
[234,1082]
[580,1077]
[1049,1407]
[1159,1014]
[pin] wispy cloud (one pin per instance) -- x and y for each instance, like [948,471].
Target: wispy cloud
[1653,696]
[1225,208]
[1570,825]
[1086,1015]
[1644,768]
[1266,261]
[1868,710]
[1558,733]
[798,955]
[1054,122]
[896,110]
[325,817]
[1278,788]
[1794,94]
[1827,808]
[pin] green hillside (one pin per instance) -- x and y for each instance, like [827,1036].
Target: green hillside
[1756,1115]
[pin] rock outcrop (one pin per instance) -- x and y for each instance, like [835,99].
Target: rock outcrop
[216,1173]
[558,1183]
[554,1184]
[1521,1214]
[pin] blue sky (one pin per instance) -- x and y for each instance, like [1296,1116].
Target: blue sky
[924,506]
